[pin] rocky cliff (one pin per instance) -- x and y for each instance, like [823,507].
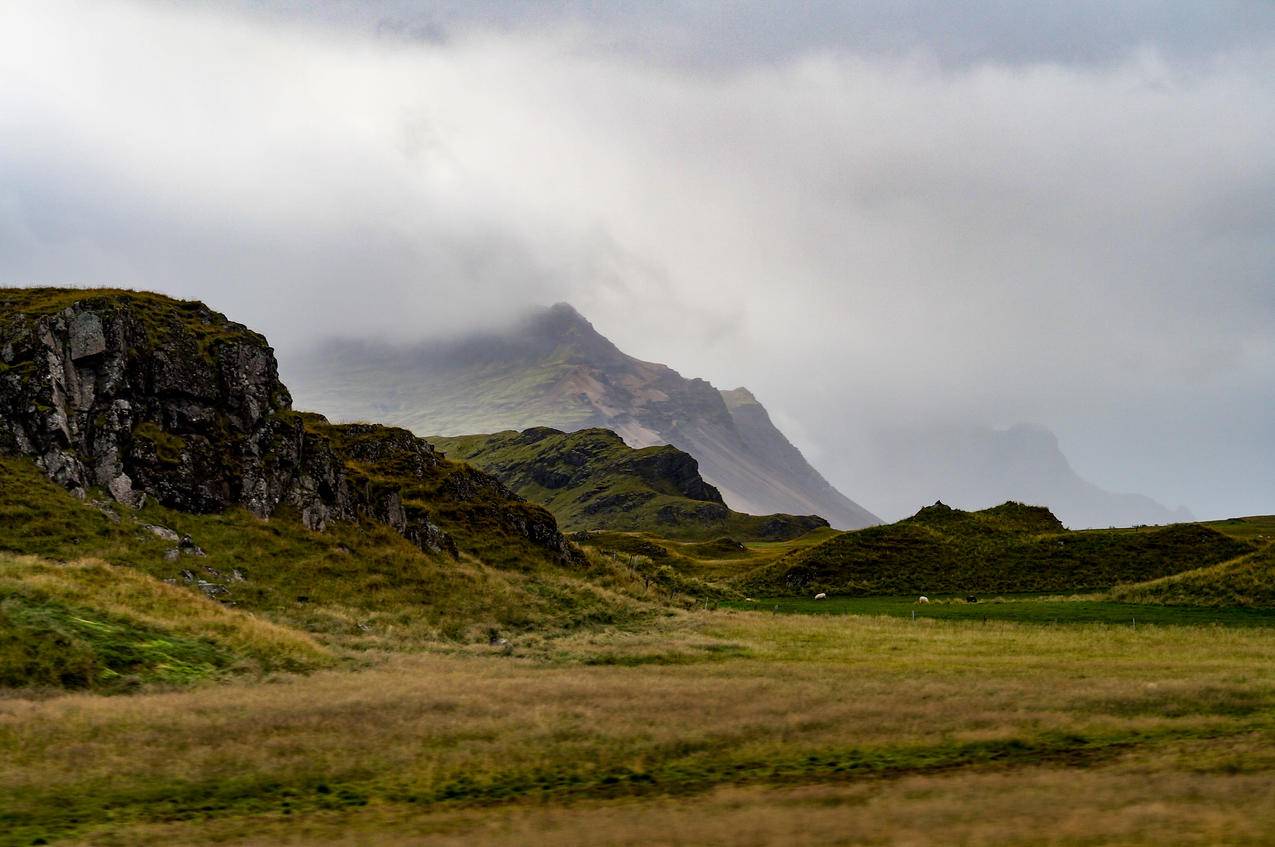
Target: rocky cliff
[145,396]
[556,370]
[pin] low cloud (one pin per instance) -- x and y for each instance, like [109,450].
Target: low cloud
[864,237]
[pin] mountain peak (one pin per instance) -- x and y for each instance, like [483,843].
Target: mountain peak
[555,369]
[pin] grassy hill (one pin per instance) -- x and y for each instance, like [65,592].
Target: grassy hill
[1011,547]
[590,479]
[1245,581]
[353,586]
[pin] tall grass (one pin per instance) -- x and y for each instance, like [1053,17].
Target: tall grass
[88,624]
[763,701]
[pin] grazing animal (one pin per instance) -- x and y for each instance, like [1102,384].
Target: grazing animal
[923,599]
[821,596]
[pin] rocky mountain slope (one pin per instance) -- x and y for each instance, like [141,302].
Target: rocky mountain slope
[149,397]
[976,467]
[590,479]
[1011,547]
[556,370]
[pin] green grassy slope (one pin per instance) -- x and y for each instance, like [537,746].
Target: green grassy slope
[1006,548]
[357,585]
[1245,581]
[1258,529]
[1043,609]
[590,479]
[87,624]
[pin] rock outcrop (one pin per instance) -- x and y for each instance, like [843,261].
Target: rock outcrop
[145,396]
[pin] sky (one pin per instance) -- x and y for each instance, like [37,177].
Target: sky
[876,216]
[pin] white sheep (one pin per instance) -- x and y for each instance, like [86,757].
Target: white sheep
[821,596]
[923,599]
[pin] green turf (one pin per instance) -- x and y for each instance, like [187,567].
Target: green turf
[1034,609]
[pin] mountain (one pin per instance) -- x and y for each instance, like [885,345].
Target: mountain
[590,479]
[1011,547]
[976,467]
[554,369]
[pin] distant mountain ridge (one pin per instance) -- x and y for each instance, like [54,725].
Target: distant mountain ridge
[975,467]
[554,369]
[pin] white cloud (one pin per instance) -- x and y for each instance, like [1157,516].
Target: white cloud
[860,238]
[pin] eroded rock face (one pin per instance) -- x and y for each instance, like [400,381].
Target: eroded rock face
[144,396]
[173,402]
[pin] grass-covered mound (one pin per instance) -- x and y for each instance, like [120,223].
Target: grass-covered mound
[1010,547]
[1245,581]
[87,624]
[591,480]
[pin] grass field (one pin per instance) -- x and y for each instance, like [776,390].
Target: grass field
[362,692]
[717,727]
[1030,609]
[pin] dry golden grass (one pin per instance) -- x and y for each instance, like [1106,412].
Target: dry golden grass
[717,728]
[1134,801]
[129,594]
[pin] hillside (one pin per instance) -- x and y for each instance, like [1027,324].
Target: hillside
[1245,581]
[555,370]
[976,467]
[149,398]
[86,624]
[590,479]
[214,530]
[1009,548]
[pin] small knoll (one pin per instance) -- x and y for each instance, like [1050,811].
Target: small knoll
[1245,581]
[591,480]
[1012,547]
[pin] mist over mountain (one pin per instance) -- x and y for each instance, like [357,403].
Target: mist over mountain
[554,369]
[976,467]
[969,214]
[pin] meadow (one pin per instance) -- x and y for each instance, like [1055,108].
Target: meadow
[345,688]
[705,727]
[1026,608]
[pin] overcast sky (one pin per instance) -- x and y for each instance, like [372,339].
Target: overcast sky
[872,214]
